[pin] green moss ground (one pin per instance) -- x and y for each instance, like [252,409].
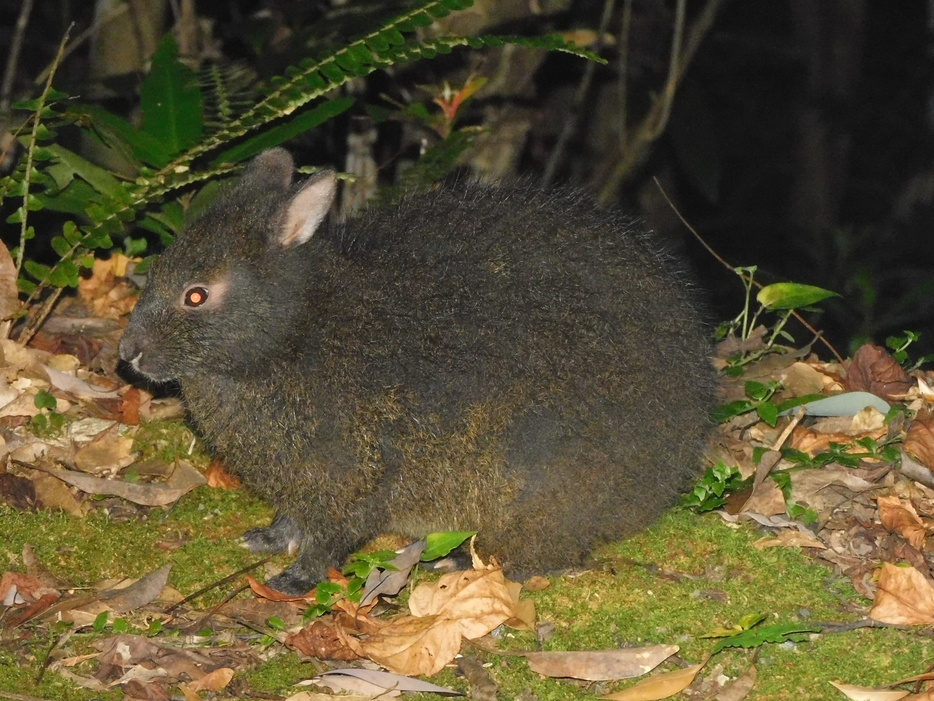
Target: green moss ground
[678,580]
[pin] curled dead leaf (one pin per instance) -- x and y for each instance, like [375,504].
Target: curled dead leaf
[904,597]
[659,686]
[321,640]
[865,693]
[873,369]
[919,442]
[600,665]
[899,516]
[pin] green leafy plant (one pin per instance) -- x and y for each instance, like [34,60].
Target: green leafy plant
[783,299]
[760,400]
[712,489]
[843,453]
[361,565]
[899,345]
[49,421]
[190,136]
[756,635]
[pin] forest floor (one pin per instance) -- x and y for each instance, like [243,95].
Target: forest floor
[815,571]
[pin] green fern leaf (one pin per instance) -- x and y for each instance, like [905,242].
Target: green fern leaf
[171,100]
[277,135]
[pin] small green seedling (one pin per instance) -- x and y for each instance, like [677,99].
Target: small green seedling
[713,488]
[759,399]
[782,298]
[48,422]
[899,344]
[361,565]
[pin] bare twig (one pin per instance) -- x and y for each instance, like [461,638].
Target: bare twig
[218,583]
[12,61]
[30,153]
[623,83]
[725,264]
[116,12]
[570,123]
[636,148]
[33,325]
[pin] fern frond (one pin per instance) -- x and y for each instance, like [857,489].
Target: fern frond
[226,91]
[310,80]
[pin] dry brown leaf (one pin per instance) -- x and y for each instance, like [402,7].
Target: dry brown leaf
[899,516]
[524,618]
[30,588]
[76,386]
[740,688]
[144,494]
[321,640]
[189,693]
[318,696]
[478,600]
[36,568]
[659,686]
[866,420]
[789,538]
[143,591]
[924,696]
[536,583]
[811,442]
[268,593]
[459,605]
[219,478]
[54,494]
[129,406]
[107,454]
[600,665]
[872,369]
[904,597]
[767,499]
[801,379]
[213,681]
[9,294]
[18,492]
[409,645]
[919,442]
[23,405]
[865,693]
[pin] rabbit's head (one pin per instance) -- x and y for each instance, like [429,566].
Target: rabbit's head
[228,294]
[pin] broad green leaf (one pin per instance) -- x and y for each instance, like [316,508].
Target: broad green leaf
[97,177]
[440,544]
[776,633]
[61,246]
[283,132]
[120,135]
[768,412]
[74,199]
[71,233]
[792,295]
[725,412]
[45,400]
[37,270]
[171,100]
[65,274]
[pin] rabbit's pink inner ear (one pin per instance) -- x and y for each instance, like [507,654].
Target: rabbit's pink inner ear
[308,209]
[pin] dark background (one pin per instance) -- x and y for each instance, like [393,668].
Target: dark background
[798,140]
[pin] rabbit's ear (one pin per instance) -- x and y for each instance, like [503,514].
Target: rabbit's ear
[271,169]
[308,209]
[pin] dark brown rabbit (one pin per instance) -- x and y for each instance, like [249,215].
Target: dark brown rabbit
[493,358]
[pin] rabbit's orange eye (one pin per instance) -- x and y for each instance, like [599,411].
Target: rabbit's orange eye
[196,296]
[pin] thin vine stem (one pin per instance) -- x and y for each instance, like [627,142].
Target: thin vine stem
[30,152]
